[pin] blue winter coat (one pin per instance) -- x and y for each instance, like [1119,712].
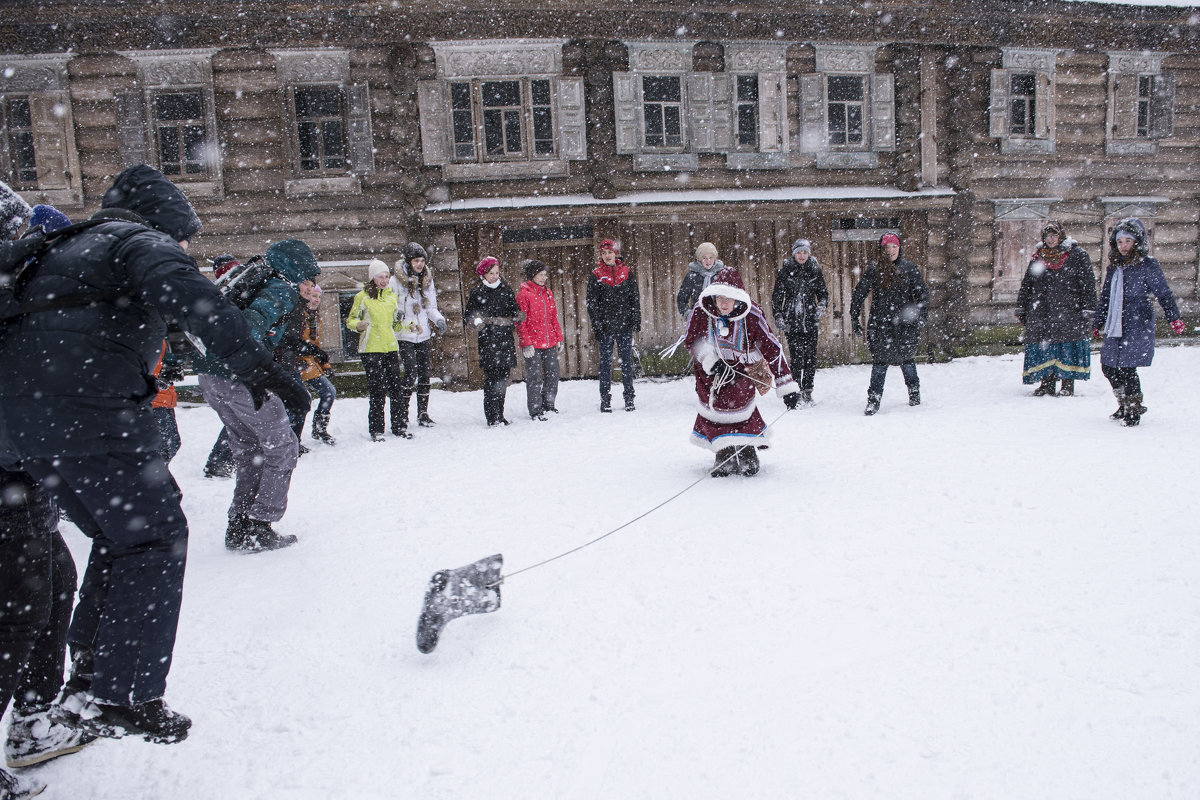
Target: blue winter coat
[266,315]
[78,381]
[1135,346]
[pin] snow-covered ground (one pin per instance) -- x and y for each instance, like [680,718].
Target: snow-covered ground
[989,596]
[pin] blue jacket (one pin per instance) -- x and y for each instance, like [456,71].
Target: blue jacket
[78,381]
[1135,346]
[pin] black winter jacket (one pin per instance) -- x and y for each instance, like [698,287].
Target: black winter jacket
[1057,305]
[77,381]
[897,312]
[800,297]
[497,309]
[613,309]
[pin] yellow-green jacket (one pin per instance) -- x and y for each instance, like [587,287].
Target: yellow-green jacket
[380,312]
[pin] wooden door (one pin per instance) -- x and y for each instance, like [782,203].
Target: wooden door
[570,263]
[848,261]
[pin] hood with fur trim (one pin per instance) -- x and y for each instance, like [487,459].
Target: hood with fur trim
[1135,228]
[726,283]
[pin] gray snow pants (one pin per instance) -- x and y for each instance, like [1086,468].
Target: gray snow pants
[264,447]
[541,380]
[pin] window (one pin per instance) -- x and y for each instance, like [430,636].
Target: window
[1022,97]
[320,129]
[517,119]
[662,111]
[23,162]
[1141,103]
[181,134]
[845,109]
[1017,230]
[746,114]
[1022,101]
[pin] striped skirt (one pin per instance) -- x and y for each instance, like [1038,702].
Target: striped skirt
[1067,360]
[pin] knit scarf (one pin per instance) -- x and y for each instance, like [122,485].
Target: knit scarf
[1116,301]
[1053,258]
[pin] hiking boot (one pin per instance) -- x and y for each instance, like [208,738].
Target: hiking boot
[13,787]
[1046,387]
[914,395]
[872,405]
[1067,389]
[629,405]
[425,422]
[747,459]
[261,536]
[236,531]
[153,720]
[33,737]
[726,463]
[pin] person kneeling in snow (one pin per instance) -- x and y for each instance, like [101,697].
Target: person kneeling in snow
[736,357]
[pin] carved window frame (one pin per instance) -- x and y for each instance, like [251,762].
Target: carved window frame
[42,80]
[1041,64]
[1126,70]
[879,107]
[767,62]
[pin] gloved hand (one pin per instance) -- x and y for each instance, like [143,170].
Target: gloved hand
[783,327]
[857,327]
[477,321]
[283,383]
[527,351]
[561,347]
[791,400]
[171,371]
[519,318]
[722,372]
[440,324]
[1096,333]
[1176,326]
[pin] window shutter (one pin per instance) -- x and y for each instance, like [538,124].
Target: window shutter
[362,149]
[1162,106]
[1043,115]
[698,110]
[999,108]
[49,115]
[883,112]
[1125,106]
[625,102]
[572,122]
[131,127]
[433,102]
[812,112]
[772,111]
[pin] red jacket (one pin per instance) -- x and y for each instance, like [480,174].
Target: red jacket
[540,328]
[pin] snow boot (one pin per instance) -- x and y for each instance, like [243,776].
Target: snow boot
[402,432]
[424,421]
[872,405]
[13,787]
[153,720]
[605,404]
[806,398]
[629,404]
[1046,387]
[747,459]
[320,429]
[301,450]
[249,535]
[726,463]
[33,737]
[1133,410]
[914,395]
[1068,388]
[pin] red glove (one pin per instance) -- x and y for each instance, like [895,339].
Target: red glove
[1178,327]
[1096,333]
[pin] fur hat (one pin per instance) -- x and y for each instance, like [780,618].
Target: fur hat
[377,268]
[706,249]
[802,246]
[294,260]
[726,283]
[48,218]
[486,263]
[14,212]
[532,267]
[414,250]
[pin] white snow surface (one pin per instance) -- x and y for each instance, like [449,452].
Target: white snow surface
[991,595]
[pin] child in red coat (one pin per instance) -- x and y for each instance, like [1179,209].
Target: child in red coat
[540,335]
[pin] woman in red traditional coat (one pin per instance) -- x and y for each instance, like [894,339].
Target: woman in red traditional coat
[736,357]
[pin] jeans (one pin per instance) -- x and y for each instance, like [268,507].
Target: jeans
[541,380]
[802,346]
[495,386]
[168,431]
[624,344]
[326,394]
[879,374]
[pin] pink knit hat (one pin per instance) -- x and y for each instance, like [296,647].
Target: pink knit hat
[487,263]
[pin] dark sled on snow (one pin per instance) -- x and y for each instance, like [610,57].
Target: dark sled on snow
[453,593]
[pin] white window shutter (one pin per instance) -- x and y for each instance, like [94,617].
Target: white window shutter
[1162,106]
[1125,106]
[433,104]
[722,113]
[999,104]
[1043,116]
[812,112]
[698,111]
[572,122]
[49,112]
[131,126]
[626,102]
[362,148]
[772,113]
[883,112]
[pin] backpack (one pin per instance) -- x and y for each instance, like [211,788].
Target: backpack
[17,259]
[241,284]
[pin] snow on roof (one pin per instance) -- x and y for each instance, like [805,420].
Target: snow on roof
[765,195]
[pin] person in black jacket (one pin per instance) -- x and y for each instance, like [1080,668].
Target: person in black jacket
[75,392]
[1055,304]
[492,310]
[899,303]
[615,308]
[798,302]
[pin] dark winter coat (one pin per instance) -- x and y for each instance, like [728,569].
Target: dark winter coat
[800,296]
[897,312]
[613,301]
[1135,346]
[78,381]
[695,281]
[496,310]
[1057,305]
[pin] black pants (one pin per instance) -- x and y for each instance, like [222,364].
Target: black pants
[128,609]
[802,346]
[1124,381]
[415,356]
[495,387]
[37,591]
[879,375]
[383,384]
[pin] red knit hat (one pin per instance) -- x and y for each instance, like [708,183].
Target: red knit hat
[609,244]
[487,263]
[889,238]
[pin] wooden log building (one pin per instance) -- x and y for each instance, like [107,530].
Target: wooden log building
[536,128]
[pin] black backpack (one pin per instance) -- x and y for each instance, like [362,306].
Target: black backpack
[241,284]
[17,259]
